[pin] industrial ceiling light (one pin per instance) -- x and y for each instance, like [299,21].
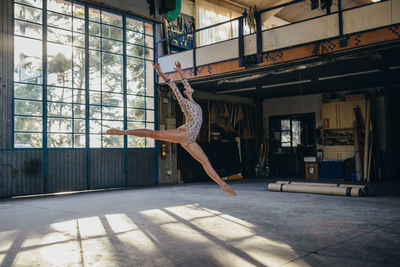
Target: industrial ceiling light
[283,84]
[346,75]
[236,90]
[375,1]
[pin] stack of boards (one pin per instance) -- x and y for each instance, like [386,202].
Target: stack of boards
[319,188]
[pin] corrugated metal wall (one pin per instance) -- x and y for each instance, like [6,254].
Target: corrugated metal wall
[25,172]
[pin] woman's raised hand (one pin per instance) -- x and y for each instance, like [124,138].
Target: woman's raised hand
[178,66]
[157,67]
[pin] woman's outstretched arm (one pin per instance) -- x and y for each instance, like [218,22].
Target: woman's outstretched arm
[175,90]
[185,82]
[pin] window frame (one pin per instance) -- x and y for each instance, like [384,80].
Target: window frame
[148,94]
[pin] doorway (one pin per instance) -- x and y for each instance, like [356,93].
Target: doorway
[291,139]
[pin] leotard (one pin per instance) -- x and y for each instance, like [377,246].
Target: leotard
[191,110]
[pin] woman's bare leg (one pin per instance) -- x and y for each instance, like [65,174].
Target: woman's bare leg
[197,152]
[179,135]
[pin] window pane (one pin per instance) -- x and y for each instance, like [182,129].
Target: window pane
[110,18]
[113,113]
[79,11]
[59,140]
[28,13]
[150,142]
[285,144]
[113,99]
[112,46]
[150,102]
[112,124]
[59,67]
[79,40]
[79,68]
[95,140]
[59,109]
[79,140]
[28,91]
[36,3]
[79,96]
[94,42]
[59,125]
[135,114]
[23,107]
[27,60]
[95,97]
[285,137]
[95,126]
[134,141]
[28,124]
[79,126]
[111,32]
[112,73]
[149,115]
[59,21]
[135,101]
[285,125]
[150,125]
[28,29]
[94,14]
[149,79]
[59,36]
[27,140]
[134,50]
[149,53]
[95,112]
[136,125]
[94,28]
[296,133]
[79,25]
[113,141]
[134,37]
[94,71]
[60,6]
[149,41]
[134,25]
[79,111]
[59,94]
[135,76]
[148,28]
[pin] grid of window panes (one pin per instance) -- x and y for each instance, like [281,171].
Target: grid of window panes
[65,92]
[28,74]
[140,79]
[290,133]
[65,74]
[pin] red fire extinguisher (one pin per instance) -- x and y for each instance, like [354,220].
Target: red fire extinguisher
[163,150]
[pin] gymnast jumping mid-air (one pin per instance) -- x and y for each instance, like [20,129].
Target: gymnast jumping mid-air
[186,134]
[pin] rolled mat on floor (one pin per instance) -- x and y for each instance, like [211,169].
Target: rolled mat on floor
[364,188]
[327,190]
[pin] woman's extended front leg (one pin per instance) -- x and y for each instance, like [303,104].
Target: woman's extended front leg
[197,152]
[179,135]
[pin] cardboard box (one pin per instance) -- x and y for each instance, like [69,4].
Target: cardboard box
[311,170]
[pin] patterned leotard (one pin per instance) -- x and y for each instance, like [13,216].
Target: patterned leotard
[191,110]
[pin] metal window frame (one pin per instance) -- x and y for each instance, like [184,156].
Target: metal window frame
[44,101]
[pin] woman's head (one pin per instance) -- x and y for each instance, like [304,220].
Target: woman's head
[188,92]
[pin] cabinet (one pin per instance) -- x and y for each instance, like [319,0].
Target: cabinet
[338,152]
[339,115]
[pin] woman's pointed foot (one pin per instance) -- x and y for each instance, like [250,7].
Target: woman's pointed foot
[226,188]
[113,132]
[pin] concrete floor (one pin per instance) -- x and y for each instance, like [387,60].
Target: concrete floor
[198,225]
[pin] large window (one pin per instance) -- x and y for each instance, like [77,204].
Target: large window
[80,70]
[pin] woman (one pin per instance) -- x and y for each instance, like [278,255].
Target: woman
[186,134]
